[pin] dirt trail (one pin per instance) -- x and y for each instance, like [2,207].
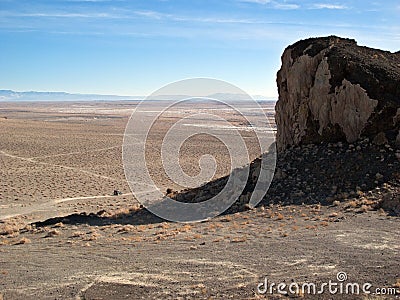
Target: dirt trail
[76,152]
[32,160]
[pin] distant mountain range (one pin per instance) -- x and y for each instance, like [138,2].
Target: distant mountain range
[9,95]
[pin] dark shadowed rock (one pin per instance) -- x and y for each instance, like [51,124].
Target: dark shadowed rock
[331,89]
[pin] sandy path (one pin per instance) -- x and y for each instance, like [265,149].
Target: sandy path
[76,152]
[56,165]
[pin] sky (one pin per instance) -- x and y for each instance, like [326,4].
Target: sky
[134,47]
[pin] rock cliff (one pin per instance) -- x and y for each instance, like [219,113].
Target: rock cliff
[331,90]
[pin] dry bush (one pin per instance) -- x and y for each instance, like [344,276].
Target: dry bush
[211,227]
[7,229]
[235,225]
[239,239]
[397,283]
[142,228]
[163,225]
[136,239]
[352,204]
[77,234]
[126,229]
[4,242]
[316,208]
[22,241]
[363,208]
[227,219]
[365,201]
[53,233]
[381,212]
[279,216]
[160,237]
[59,225]
[185,228]
[94,236]
[120,213]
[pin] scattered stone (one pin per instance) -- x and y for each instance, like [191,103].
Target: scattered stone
[391,202]
[398,140]
[279,174]
[380,139]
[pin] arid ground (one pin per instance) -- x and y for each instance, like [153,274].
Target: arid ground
[64,235]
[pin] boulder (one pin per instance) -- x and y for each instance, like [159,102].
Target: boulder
[331,90]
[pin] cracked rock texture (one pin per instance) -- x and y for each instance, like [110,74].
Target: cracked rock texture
[331,89]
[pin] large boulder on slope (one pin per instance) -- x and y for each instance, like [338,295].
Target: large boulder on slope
[331,89]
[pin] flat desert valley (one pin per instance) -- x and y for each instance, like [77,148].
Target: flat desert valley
[65,235]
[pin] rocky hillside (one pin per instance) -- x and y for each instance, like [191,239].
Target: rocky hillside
[331,90]
[338,139]
[338,119]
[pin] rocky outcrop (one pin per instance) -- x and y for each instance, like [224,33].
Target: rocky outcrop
[338,119]
[331,89]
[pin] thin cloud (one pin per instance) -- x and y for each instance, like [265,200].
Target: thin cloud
[94,1]
[274,4]
[152,14]
[328,6]
[161,16]
[59,15]
[257,1]
[286,6]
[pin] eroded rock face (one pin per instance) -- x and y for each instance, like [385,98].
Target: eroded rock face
[332,90]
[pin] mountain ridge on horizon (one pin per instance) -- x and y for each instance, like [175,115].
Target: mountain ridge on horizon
[11,95]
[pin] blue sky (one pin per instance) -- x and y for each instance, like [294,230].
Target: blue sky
[135,47]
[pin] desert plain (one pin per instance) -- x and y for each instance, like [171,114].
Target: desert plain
[65,235]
